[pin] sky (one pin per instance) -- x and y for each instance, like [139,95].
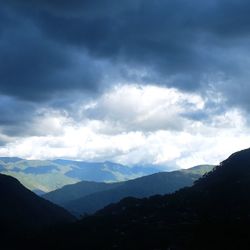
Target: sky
[135,82]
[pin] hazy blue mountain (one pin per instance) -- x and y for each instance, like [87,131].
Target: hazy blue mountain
[47,176]
[36,175]
[85,197]
[106,171]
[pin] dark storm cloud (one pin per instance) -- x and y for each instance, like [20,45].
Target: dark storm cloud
[15,117]
[183,40]
[34,67]
[9,108]
[50,48]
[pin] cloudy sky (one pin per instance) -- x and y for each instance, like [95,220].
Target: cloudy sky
[132,81]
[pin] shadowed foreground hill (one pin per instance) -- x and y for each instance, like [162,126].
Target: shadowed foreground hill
[22,211]
[212,214]
[88,197]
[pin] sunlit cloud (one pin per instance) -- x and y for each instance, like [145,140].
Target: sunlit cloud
[133,124]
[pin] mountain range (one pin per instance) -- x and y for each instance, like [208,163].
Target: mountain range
[211,214]
[88,197]
[43,176]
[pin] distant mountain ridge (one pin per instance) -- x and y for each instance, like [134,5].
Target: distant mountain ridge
[88,197]
[75,191]
[44,176]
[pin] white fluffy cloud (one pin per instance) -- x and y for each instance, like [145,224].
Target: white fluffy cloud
[134,124]
[146,108]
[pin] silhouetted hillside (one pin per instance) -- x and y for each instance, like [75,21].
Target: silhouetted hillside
[212,214]
[21,211]
[94,196]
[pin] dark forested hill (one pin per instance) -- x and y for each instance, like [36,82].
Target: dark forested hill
[21,211]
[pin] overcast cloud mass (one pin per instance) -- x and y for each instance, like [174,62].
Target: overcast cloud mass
[136,81]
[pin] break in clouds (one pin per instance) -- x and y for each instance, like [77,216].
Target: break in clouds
[137,82]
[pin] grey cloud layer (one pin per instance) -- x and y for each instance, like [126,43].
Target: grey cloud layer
[181,41]
[49,49]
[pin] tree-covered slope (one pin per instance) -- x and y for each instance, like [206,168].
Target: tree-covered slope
[20,208]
